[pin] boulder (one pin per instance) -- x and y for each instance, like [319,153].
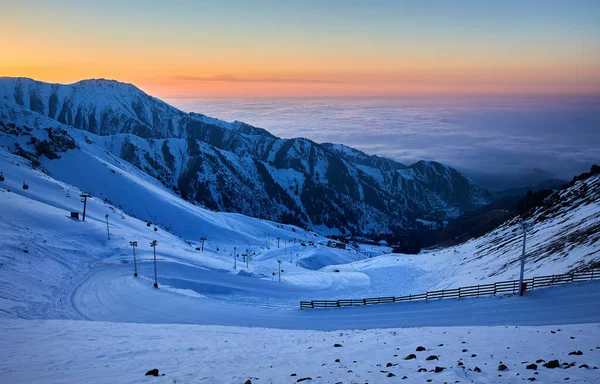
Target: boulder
[552,364]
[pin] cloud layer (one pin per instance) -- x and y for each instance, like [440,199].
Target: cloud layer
[482,137]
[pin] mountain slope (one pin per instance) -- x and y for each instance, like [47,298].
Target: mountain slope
[72,271]
[235,167]
[564,237]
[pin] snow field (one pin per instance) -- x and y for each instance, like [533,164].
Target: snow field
[58,351]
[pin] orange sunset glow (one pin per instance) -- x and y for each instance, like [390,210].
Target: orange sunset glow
[205,50]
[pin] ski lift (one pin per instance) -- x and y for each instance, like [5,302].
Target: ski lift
[68,193]
[25,186]
[1,176]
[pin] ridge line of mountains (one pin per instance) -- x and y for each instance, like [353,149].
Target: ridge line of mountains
[235,167]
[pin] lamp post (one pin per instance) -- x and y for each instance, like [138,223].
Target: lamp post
[84,197]
[202,240]
[153,244]
[133,245]
[278,241]
[107,230]
[234,258]
[279,268]
[525,227]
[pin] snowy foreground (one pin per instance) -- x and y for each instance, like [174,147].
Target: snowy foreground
[96,352]
[71,351]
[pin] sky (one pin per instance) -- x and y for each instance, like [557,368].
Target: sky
[267,48]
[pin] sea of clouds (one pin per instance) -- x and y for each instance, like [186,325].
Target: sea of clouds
[499,141]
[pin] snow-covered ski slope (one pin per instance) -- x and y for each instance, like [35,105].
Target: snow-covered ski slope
[564,237]
[56,267]
[36,221]
[56,272]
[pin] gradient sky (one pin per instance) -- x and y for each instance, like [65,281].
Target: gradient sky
[282,48]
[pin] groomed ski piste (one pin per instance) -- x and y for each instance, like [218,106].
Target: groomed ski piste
[71,310]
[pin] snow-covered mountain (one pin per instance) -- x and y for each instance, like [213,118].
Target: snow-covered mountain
[235,167]
[64,283]
[564,236]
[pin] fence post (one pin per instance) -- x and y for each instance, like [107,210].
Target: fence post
[459,292]
[410,297]
[426,295]
[572,277]
[494,289]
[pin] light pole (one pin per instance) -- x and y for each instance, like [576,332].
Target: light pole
[234,258]
[133,245]
[153,244]
[279,267]
[202,240]
[107,230]
[297,259]
[525,227]
[278,241]
[84,197]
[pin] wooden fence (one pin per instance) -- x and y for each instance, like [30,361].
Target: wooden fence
[503,287]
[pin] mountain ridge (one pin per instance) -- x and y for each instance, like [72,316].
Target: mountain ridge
[236,167]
